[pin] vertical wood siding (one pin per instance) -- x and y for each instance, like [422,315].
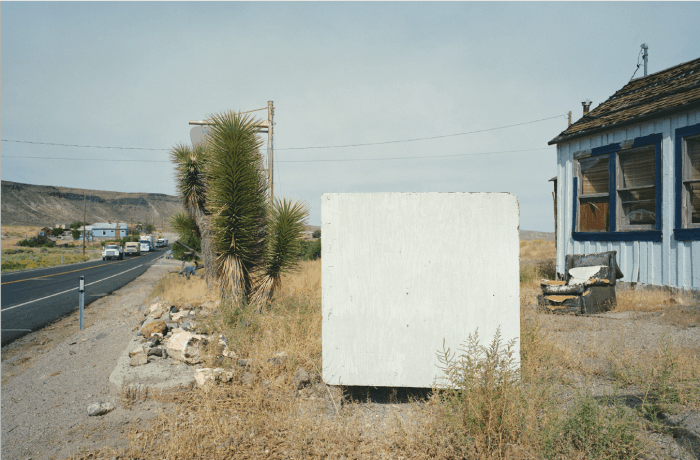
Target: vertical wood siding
[668,263]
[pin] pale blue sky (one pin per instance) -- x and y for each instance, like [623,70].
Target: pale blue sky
[133,75]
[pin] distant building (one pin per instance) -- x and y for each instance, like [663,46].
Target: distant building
[110,230]
[46,231]
[628,179]
[85,230]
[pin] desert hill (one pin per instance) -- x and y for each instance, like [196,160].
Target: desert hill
[43,205]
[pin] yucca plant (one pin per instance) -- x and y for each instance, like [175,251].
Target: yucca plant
[190,173]
[236,198]
[286,221]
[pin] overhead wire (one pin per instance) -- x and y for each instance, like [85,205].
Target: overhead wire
[298,161]
[299,148]
[421,138]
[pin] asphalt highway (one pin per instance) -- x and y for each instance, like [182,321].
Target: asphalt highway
[32,299]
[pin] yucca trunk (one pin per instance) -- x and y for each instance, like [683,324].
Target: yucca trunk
[236,198]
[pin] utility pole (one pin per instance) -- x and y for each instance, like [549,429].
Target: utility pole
[84,219]
[270,150]
[569,117]
[132,229]
[646,57]
[270,142]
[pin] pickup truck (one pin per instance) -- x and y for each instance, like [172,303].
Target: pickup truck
[112,251]
[132,248]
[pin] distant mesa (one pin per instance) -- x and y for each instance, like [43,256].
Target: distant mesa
[44,205]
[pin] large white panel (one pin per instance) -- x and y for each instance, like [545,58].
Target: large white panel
[405,272]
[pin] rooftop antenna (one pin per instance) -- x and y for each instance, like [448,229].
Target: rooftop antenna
[646,57]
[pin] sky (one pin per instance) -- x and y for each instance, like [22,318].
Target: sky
[134,74]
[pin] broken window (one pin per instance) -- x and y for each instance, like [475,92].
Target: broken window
[636,189]
[617,191]
[691,182]
[594,198]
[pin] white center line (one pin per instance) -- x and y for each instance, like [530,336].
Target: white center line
[75,288]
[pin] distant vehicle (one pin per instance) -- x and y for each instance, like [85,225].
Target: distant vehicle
[144,246]
[112,251]
[161,243]
[148,239]
[169,254]
[132,248]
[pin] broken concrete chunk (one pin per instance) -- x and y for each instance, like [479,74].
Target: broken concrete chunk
[136,351]
[156,327]
[98,408]
[178,315]
[139,360]
[207,375]
[156,351]
[185,346]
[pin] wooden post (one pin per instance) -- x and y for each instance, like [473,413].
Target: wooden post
[84,219]
[569,117]
[270,150]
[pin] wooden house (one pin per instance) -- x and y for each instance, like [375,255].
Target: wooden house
[628,180]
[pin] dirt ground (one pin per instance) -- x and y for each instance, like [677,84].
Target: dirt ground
[49,378]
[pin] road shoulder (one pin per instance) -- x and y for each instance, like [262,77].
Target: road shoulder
[49,378]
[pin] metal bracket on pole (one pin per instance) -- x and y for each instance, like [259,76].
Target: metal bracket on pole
[81,290]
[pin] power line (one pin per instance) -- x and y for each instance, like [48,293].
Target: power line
[295,148]
[87,159]
[299,161]
[422,138]
[82,146]
[414,158]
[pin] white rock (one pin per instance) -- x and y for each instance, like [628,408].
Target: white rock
[207,375]
[177,316]
[98,408]
[136,351]
[184,346]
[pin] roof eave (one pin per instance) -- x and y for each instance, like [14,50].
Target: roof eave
[630,121]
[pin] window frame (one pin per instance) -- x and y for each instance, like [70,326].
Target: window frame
[617,231]
[683,231]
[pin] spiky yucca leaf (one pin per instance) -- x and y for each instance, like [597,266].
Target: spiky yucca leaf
[190,165]
[184,226]
[236,199]
[286,221]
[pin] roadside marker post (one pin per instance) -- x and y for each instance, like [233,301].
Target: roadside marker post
[82,300]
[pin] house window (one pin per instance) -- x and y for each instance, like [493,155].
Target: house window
[687,183]
[636,189]
[595,197]
[617,192]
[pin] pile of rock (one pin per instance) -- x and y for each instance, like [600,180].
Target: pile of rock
[171,332]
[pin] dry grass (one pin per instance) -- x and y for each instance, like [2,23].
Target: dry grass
[178,290]
[542,411]
[537,250]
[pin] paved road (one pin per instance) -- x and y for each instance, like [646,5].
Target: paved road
[33,299]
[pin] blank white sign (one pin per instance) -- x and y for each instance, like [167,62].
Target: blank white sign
[405,272]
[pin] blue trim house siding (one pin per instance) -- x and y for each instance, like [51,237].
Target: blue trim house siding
[680,233]
[664,256]
[106,230]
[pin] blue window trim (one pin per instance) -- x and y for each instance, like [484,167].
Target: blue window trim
[613,235]
[680,233]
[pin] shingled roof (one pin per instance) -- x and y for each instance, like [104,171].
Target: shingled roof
[659,94]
